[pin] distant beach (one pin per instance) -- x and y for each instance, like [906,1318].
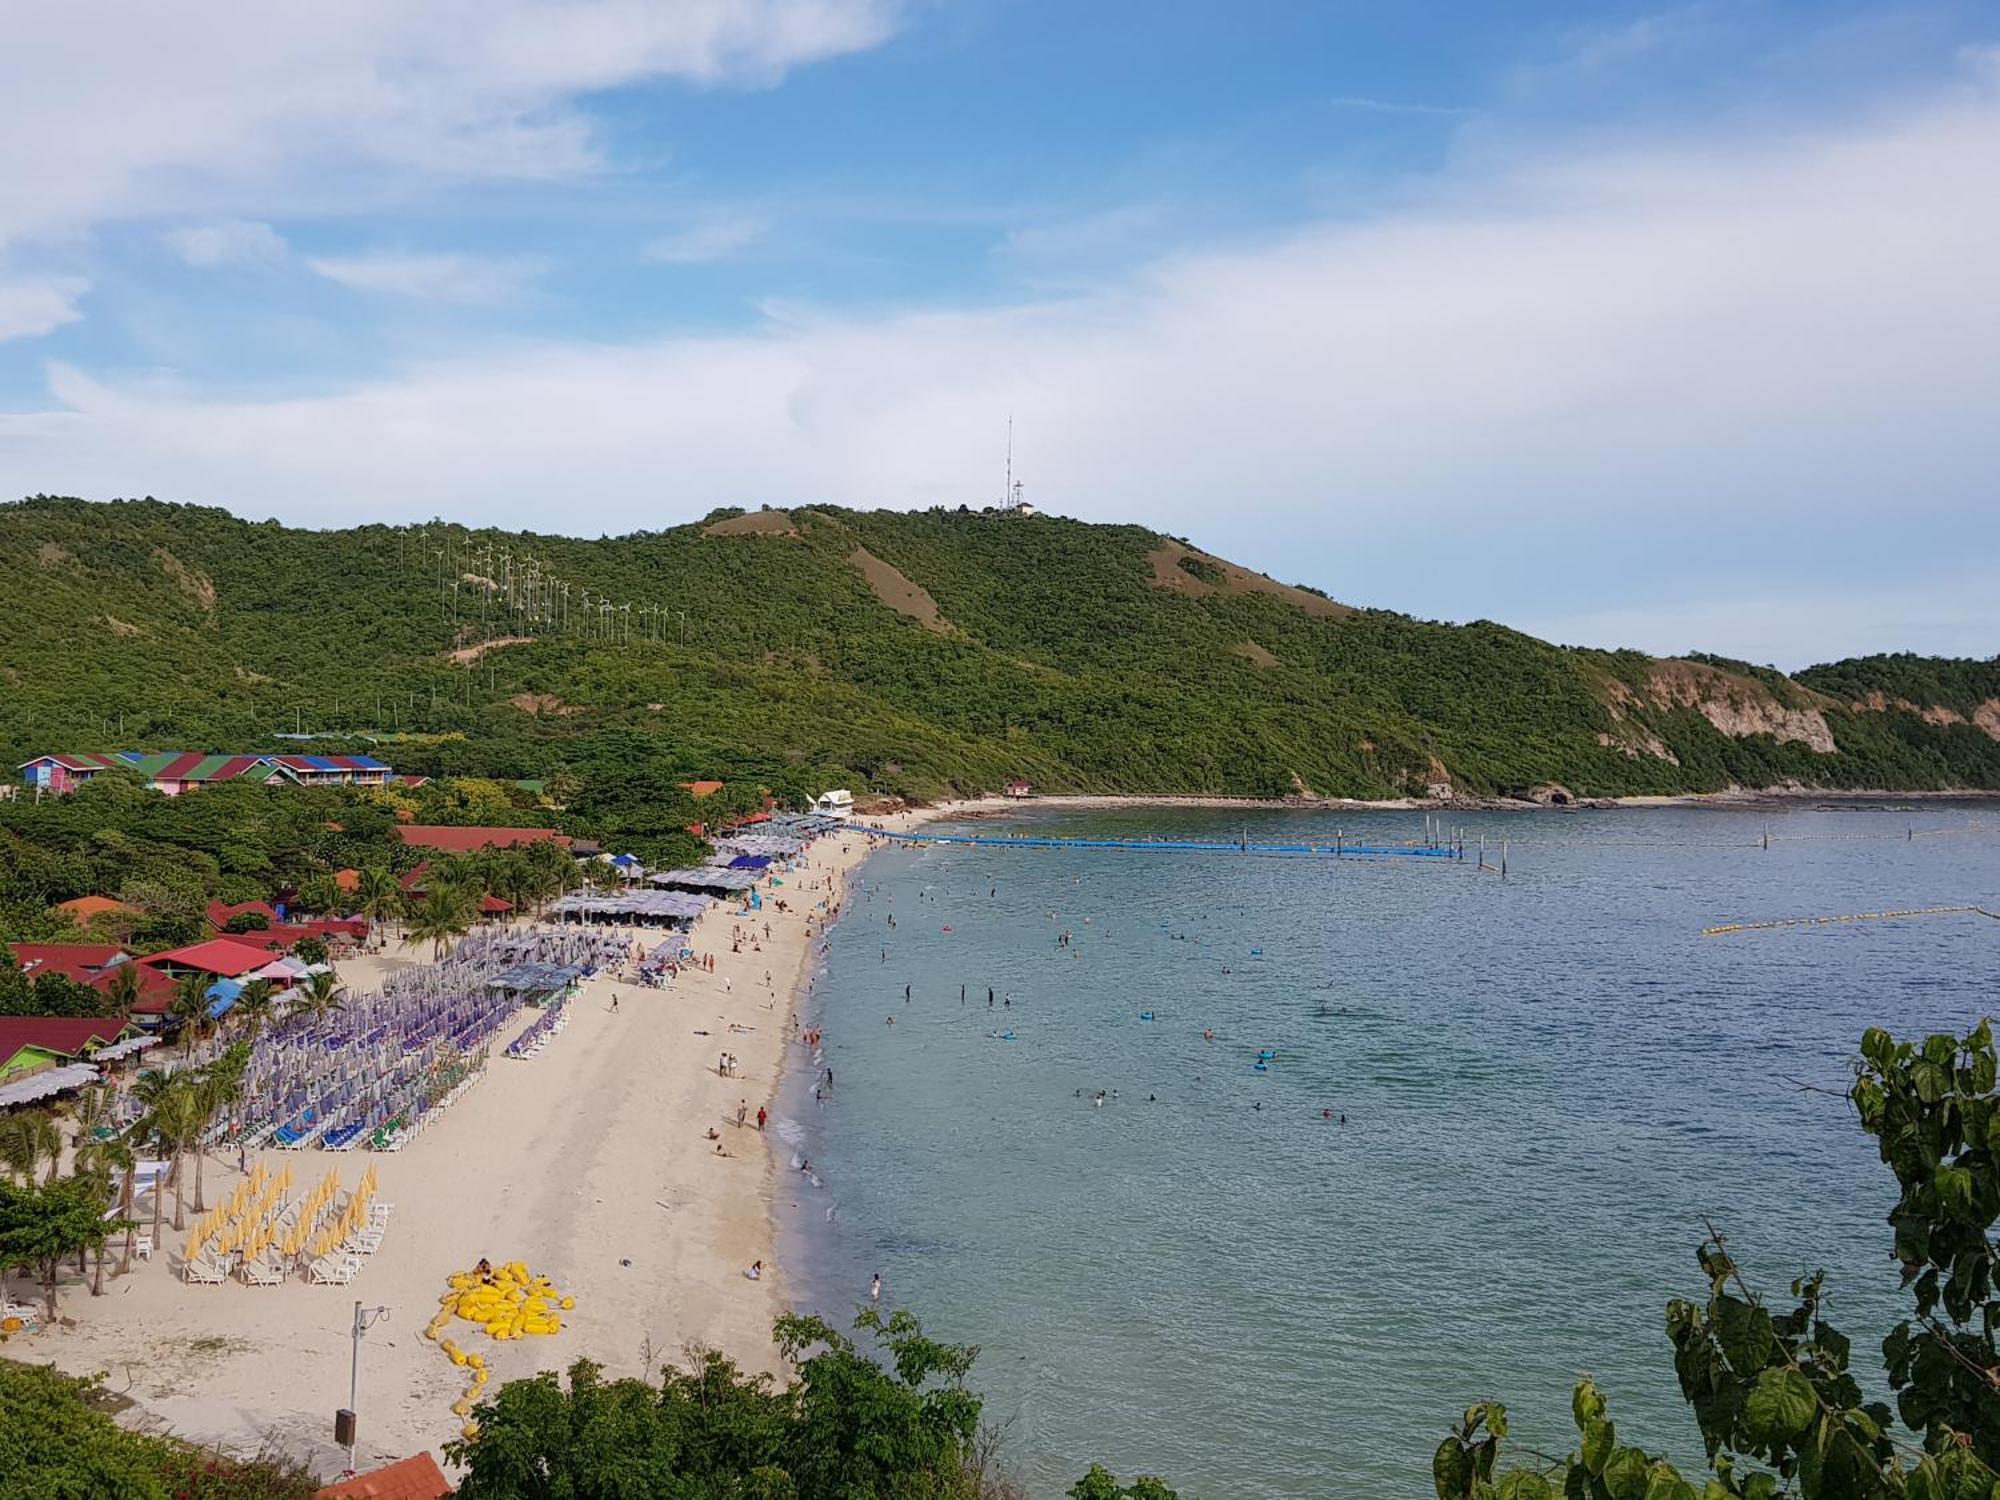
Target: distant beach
[590,1162]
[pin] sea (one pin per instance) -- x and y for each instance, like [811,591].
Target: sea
[1494,1117]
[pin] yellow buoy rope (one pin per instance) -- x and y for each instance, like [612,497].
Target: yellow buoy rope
[1859,916]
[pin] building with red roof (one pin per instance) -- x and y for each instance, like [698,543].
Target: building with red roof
[225,958]
[219,912]
[415,1478]
[449,840]
[177,771]
[83,910]
[28,1044]
[83,962]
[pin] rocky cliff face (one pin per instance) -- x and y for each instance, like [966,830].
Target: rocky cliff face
[1736,705]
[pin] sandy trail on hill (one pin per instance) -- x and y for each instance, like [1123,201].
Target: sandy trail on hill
[588,1162]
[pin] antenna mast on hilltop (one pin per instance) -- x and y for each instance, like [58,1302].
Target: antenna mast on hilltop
[1007,494]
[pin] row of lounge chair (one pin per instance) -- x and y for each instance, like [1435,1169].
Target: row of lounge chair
[337,1268]
[546,1027]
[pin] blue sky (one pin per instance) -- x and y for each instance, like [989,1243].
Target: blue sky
[1628,324]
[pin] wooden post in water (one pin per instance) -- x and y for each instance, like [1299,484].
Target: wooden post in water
[1767,835]
[1482,851]
[1338,839]
[1503,859]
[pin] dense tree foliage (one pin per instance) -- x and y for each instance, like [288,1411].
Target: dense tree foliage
[54,1445]
[895,1422]
[766,661]
[1779,1411]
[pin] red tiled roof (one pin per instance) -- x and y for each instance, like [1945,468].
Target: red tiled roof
[83,908]
[700,789]
[465,840]
[417,1478]
[219,912]
[178,767]
[224,956]
[68,1035]
[347,881]
[79,961]
[156,990]
[493,906]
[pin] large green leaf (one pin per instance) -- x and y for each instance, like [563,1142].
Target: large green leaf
[1780,1405]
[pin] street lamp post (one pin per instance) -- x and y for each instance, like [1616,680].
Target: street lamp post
[364,1319]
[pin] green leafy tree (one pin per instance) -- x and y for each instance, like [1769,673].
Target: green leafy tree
[1779,1410]
[1099,1484]
[311,949]
[54,1446]
[246,921]
[42,1225]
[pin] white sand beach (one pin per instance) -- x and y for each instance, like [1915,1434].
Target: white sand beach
[590,1162]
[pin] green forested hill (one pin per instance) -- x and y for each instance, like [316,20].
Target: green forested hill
[906,652]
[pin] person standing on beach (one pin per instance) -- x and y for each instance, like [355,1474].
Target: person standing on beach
[742,1109]
[761,1117]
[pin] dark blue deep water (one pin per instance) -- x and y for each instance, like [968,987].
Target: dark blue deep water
[1547,1083]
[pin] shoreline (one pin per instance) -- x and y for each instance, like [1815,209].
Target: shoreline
[1733,797]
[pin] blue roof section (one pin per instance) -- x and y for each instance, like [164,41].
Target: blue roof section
[369,763]
[319,763]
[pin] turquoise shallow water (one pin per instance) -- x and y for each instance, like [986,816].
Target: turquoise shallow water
[1547,1084]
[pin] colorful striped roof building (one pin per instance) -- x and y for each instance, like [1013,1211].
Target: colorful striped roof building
[177,771]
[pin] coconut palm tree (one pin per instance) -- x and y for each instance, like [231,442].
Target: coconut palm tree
[320,995]
[189,1009]
[216,1088]
[180,1123]
[122,991]
[378,897]
[100,1158]
[254,1006]
[26,1138]
[152,1090]
[445,914]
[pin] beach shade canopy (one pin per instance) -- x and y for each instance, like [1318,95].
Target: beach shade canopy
[124,1049]
[534,979]
[224,993]
[679,906]
[708,880]
[47,1084]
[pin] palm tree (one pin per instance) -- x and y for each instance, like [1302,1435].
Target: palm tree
[214,1089]
[445,913]
[152,1089]
[100,1158]
[190,1009]
[254,1006]
[378,896]
[321,995]
[122,991]
[26,1137]
[180,1123]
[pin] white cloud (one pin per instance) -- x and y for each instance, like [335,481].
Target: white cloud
[714,238]
[216,107]
[434,278]
[228,242]
[30,308]
[1785,345]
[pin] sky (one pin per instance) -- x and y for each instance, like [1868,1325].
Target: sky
[1674,327]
